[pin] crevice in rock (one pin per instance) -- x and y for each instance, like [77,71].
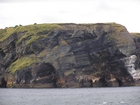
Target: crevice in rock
[2,53]
[3,83]
[119,82]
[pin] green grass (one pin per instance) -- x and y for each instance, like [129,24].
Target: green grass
[117,28]
[22,63]
[5,33]
[33,32]
[114,24]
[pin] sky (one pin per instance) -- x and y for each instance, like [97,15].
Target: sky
[25,12]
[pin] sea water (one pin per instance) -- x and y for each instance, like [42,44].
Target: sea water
[71,96]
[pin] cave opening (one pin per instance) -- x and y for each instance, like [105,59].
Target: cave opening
[47,74]
[119,82]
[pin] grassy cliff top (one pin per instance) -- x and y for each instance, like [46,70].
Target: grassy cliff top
[29,30]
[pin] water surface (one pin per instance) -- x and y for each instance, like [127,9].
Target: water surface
[75,96]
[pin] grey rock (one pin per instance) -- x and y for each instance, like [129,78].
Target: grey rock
[74,55]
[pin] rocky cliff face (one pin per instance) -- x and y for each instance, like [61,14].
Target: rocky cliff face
[69,55]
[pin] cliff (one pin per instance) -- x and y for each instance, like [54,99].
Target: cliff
[69,55]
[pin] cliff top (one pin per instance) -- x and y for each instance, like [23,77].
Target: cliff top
[34,30]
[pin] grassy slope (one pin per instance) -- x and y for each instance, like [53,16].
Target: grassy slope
[23,63]
[31,32]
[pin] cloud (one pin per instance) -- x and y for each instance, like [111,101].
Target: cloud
[104,7]
[15,12]
[34,1]
[21,1]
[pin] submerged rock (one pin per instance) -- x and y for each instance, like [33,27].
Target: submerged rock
[69,55]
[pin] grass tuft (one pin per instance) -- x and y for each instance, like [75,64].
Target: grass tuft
[22,63]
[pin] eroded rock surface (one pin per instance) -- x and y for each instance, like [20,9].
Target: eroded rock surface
[71,55]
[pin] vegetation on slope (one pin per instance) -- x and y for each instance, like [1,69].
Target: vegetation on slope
[22,63]
[33,32]
[5,33]
[116,29]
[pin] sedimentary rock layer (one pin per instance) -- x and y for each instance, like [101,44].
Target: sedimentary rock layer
[69,55]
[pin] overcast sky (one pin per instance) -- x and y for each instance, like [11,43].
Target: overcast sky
[24,12]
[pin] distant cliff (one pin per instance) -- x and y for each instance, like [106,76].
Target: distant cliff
[69,55]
